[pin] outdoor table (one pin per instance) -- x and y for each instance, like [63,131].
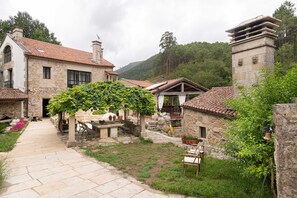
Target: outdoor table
[106,130]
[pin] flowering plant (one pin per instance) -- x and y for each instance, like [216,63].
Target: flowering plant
[18,126]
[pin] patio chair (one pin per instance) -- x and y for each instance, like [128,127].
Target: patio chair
[192,160]
[87,132]
[196,149]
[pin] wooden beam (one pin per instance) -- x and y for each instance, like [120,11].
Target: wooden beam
[181,93]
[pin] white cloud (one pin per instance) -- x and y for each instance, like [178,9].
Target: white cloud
[131,29]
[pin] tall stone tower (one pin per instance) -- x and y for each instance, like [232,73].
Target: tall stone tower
[252,43]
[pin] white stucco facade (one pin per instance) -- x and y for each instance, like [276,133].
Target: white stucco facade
[17,64]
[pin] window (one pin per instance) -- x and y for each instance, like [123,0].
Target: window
[7,54]
[46,73]
[77,77]
[202,131]
[9,83]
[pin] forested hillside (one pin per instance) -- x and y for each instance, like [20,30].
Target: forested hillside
[208,64]
[129,66]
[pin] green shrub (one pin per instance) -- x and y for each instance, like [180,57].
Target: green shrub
[2,172]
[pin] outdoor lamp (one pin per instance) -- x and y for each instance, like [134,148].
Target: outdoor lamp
[268,131]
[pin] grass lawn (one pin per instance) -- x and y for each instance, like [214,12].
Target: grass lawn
[159,165]
[7,140]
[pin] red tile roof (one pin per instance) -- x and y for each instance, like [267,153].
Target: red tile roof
[112,73]
[138,83]
[12,94]
[213,101]
[58,52]
[170,83]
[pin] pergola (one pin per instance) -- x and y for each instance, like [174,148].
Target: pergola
[102,96]
[180,89]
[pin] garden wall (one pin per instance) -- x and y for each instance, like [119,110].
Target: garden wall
[13,109]
[285,120]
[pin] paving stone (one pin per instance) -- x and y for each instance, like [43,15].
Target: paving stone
[71,190]
[39,167]
[18,179]
[84,162]
[104,178]
[129,190]
[40,174]
[21,187]
[112,185]
[49,187]
[17,171]
[58,176]
[93,174]
[88,194]
[23,194]
[72,180]
[88,168]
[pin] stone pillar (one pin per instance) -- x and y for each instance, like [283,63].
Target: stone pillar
[285,120]
[143,133]
[71,134]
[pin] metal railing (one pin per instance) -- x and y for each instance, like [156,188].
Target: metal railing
[8,84]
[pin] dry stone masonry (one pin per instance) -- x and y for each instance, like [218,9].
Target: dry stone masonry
[285,120]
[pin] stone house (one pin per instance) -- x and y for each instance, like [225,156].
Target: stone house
[252,43]
[41,70]
[207,116]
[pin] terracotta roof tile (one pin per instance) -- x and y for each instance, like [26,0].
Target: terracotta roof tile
[213,101]
[169,83]
[58,52]
[112,73]
[12,94]
[139,83]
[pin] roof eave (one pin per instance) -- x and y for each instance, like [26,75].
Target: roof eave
[30,54]
[228,116]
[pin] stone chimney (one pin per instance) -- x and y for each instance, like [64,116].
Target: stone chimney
[97,51]
[252,43]
[17,33]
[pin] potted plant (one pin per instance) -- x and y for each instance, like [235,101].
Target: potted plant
[189,140]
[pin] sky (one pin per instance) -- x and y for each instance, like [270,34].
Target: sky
[130,30]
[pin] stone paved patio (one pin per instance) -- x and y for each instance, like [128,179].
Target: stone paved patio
[41,166]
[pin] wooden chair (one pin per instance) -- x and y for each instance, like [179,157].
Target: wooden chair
[87,132]
[195,149]
[192,160]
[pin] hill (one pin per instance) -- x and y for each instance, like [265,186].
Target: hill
[129,66]
[208,64]
[141,71]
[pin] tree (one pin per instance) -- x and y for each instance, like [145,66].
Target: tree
[254,112]
[31,28]
[287,34]
[167,41]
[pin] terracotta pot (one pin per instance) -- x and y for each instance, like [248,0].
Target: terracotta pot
[189,142]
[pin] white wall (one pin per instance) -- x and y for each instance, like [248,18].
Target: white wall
[19,63]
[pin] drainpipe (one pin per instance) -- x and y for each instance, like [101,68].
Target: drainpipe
[27,84]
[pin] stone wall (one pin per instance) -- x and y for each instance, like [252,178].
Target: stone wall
[40,88]
[215,128]
[285,120]
[13,109]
